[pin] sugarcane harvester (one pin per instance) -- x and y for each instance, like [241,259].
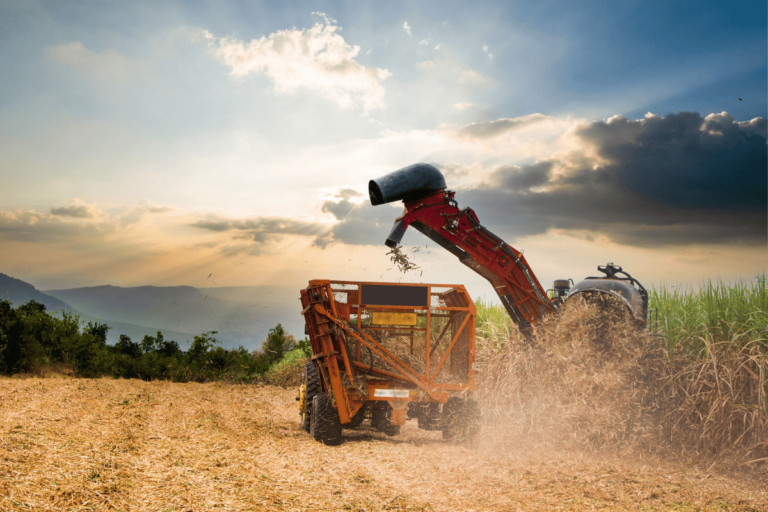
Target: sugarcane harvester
[390,351]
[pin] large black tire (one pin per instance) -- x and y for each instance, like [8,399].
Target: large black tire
[381,420]
[429,416]
[326,426]
[460,419]
[313,388]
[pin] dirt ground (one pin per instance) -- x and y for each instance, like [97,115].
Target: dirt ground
[76,444]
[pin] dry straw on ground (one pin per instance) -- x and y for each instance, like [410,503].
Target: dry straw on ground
[77,444]
[591,381]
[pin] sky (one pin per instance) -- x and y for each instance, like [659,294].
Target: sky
[231,143]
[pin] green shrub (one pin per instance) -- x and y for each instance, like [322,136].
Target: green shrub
[31,340]
[287,371]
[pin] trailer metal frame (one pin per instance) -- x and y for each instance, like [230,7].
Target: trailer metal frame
[419,340]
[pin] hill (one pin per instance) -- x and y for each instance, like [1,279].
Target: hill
[20,292]
[242,315]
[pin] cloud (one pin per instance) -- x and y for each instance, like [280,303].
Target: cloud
[316,59]
[32,226]
[359,224]
[109,67]
[77,223]
[756,126]
[485,49]
[148,206]
[349,193]
[407,28]
[677,180]
[264,229]
[513,177]
[498,127]
[470,76]
[77,210]
[461,106]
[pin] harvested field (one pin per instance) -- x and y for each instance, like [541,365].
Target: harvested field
[104,444]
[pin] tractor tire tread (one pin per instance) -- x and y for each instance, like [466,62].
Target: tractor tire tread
[314,387]
[326,426]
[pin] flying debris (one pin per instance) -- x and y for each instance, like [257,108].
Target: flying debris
[739,99]
[209,275]
[401,259]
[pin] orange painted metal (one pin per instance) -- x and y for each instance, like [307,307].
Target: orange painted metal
[396,362]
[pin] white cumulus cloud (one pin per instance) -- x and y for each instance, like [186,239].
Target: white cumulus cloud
[316,59]
[407,28]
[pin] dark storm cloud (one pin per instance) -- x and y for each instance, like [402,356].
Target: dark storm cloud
[521,178]
[264,229]
[677,180]
[682,160]
[495,128]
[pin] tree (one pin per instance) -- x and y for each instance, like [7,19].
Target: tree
[277,343]
[201,345]
[10,348]
[99,331]
[127,347]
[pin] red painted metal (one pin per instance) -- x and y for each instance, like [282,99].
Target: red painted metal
[460,231]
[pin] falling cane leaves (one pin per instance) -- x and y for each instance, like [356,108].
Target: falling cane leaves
[401,259]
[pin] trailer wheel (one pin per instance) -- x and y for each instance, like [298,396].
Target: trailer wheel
[381,420]
[325,424]
[313,387]
[461,419]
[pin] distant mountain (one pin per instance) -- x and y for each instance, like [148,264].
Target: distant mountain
[242,315]
[20,292]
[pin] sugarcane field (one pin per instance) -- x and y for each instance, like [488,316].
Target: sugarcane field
[567,425]
[491,256]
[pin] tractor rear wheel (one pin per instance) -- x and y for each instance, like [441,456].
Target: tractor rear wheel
[313,387]
[460,419]
[325,425]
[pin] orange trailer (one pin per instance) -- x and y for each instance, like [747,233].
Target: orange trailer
[388,352]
